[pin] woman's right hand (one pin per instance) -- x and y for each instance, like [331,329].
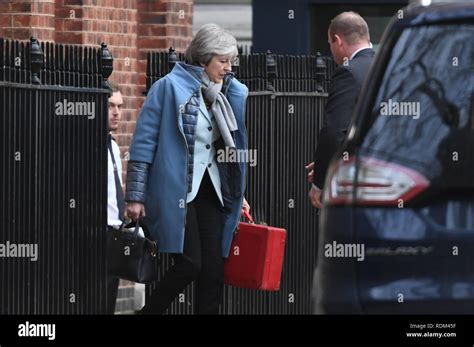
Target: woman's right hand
[135,210]
[310,171]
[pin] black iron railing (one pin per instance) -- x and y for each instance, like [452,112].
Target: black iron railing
[53,177]
[53,167]
[284,114]
[292,74]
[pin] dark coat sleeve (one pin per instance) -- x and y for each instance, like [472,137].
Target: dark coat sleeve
[342,98]
[137,179]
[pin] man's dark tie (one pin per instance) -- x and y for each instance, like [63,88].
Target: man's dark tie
[118,186]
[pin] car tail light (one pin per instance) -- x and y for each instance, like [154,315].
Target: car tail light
[379,183]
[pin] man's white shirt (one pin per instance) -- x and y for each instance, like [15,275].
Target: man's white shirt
[112,209]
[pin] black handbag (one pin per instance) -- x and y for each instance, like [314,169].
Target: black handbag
[131,256]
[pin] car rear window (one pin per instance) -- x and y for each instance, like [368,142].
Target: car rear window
[424,116]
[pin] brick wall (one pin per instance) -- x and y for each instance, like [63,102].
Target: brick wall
[130,28]
[20,19]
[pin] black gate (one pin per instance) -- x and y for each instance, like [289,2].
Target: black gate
[284,109]
[53,178]
[53,174]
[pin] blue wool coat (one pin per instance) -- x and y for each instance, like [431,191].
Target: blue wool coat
[159,140]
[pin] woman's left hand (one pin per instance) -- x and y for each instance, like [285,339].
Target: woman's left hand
[246,206]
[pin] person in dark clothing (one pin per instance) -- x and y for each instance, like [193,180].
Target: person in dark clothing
[349,40]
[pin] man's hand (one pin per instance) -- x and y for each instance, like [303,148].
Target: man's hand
[315,196]
[310,169]
[135,210]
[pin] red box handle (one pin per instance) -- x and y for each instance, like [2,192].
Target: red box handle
[248,216]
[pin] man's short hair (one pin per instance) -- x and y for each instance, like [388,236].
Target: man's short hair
[351,26]
[114,86]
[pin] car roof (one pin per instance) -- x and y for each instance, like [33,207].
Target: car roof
[430,5]
[417,13]
[430,11]
[427,3]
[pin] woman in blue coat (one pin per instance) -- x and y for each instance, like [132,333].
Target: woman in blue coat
[178,179]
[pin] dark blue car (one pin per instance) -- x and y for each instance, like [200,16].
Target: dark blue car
[397,226]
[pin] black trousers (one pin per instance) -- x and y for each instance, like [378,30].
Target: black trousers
[201,260]
[112,290]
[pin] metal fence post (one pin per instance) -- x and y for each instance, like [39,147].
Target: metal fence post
[172,58]
[37,60]
[106,65]
[320,72]
[271,69]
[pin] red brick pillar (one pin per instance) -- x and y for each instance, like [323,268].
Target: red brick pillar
[130,28]
[21,19]
[68,21]
[162,24]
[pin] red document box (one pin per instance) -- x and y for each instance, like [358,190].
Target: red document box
[256,257]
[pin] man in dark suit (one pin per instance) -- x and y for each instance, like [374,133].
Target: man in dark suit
[349,40]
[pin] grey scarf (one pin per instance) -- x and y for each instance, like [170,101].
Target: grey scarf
[220,108]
